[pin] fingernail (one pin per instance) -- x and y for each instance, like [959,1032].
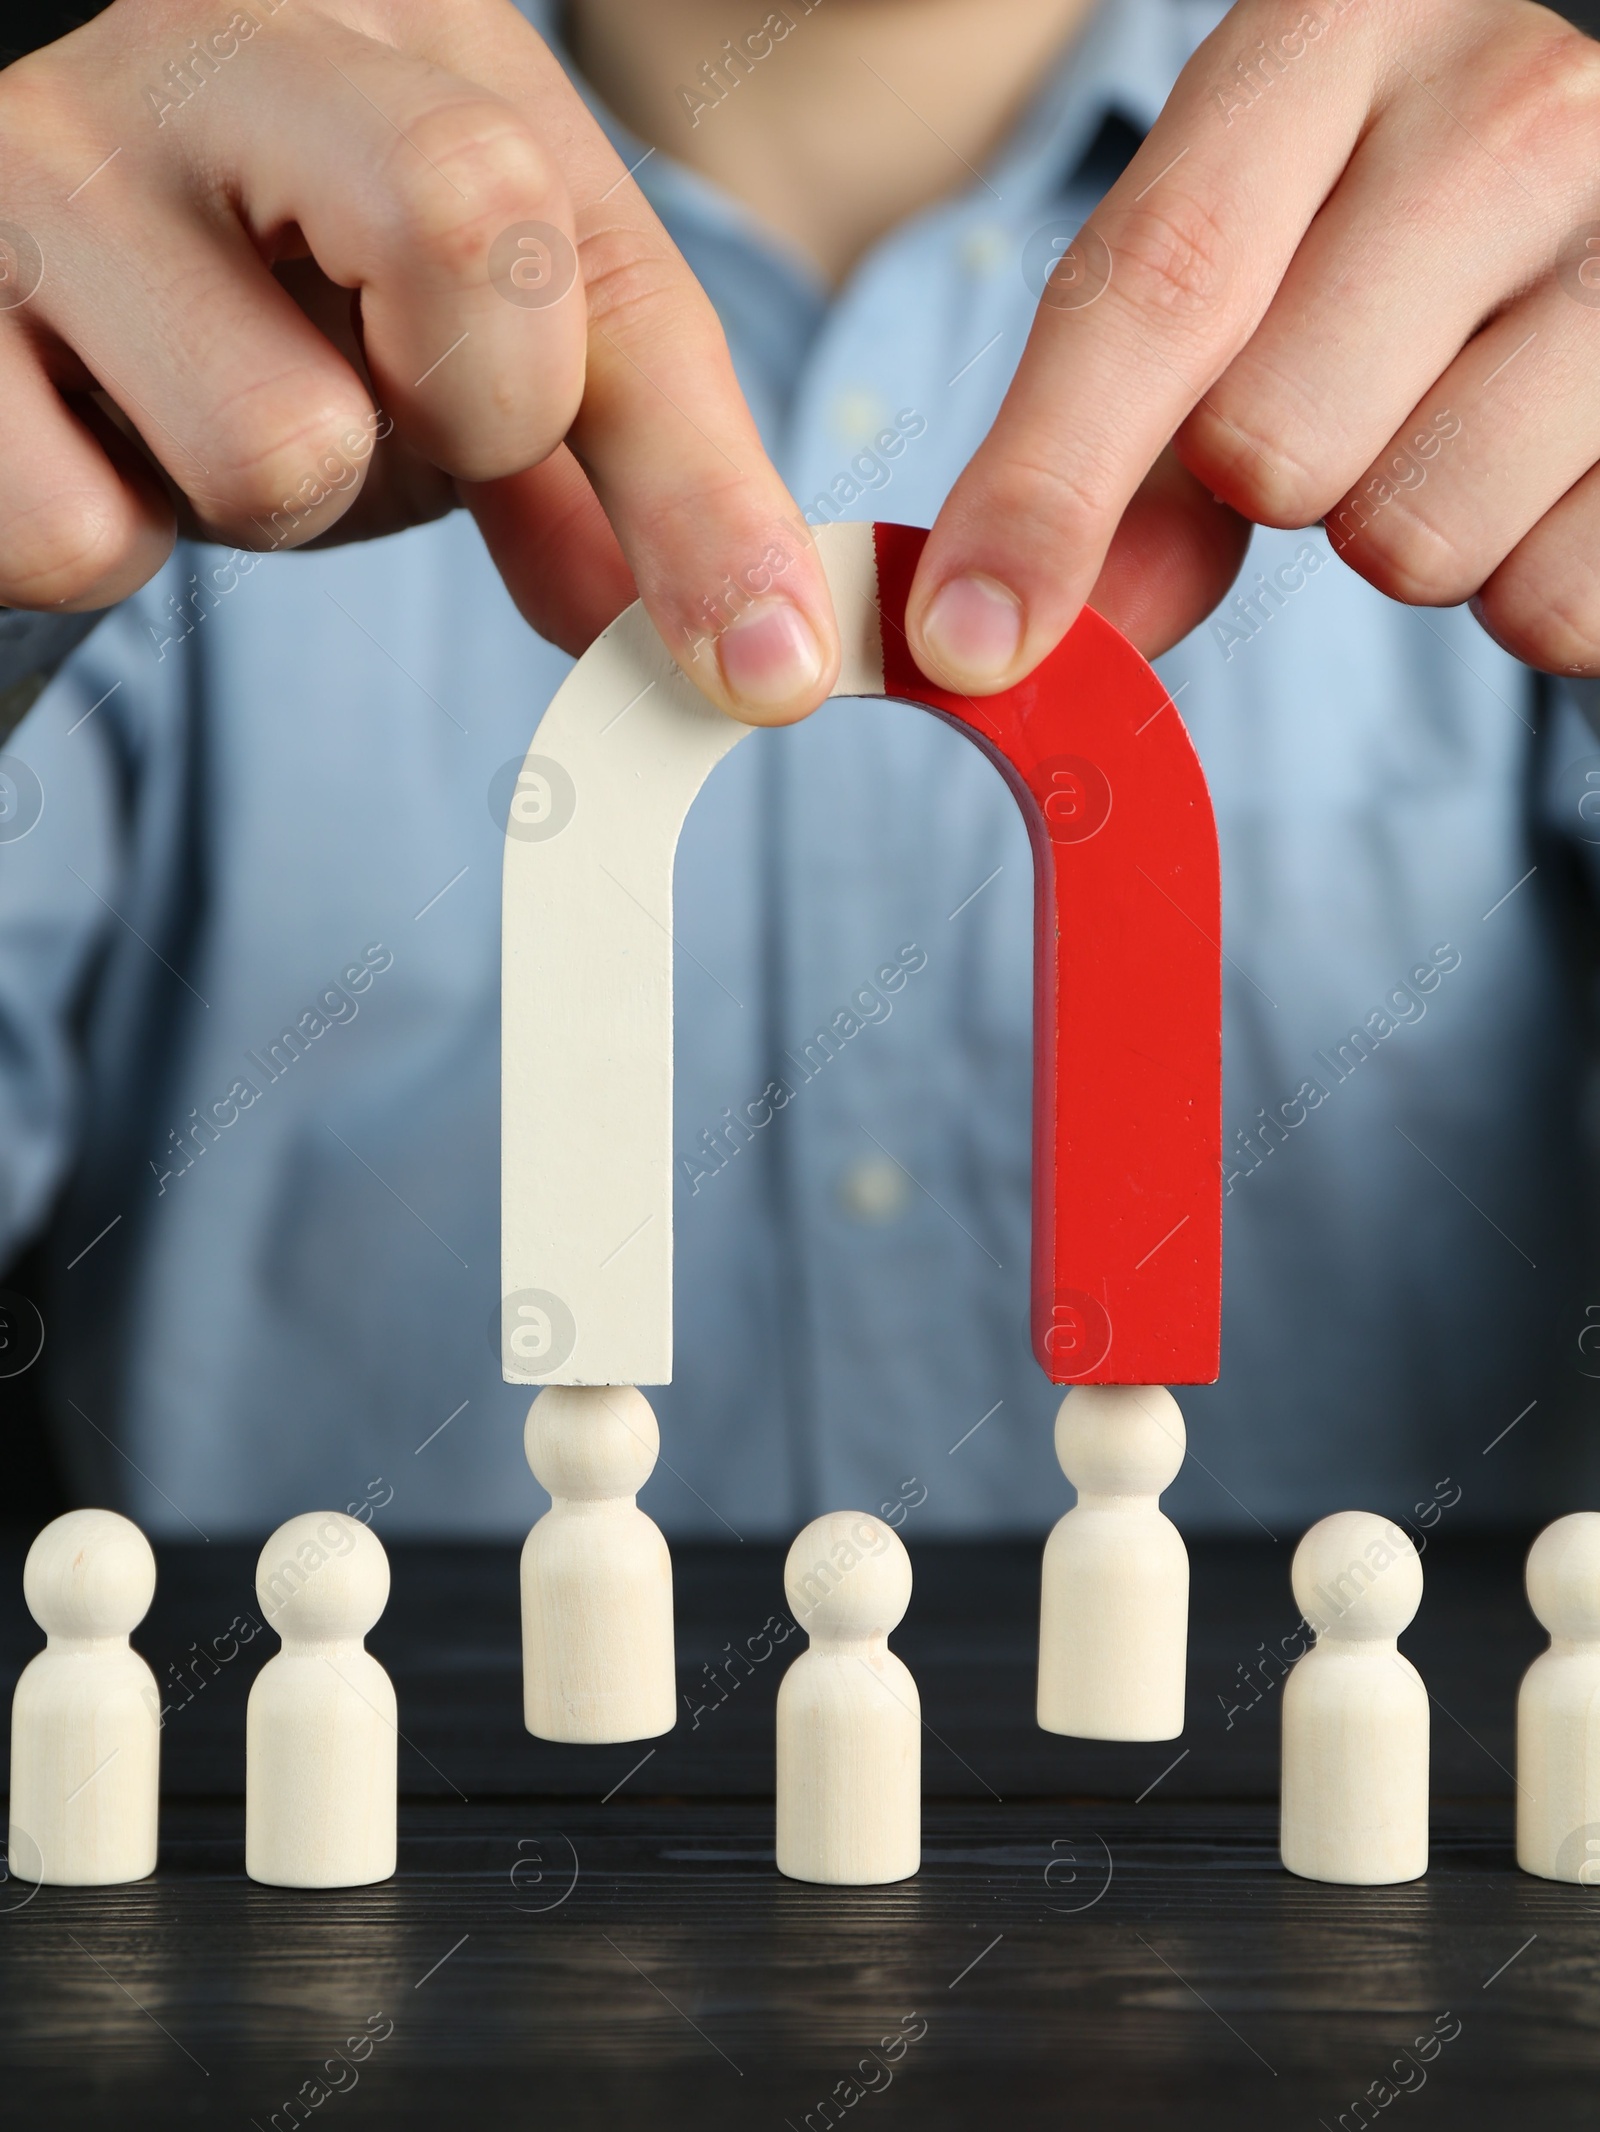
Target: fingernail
[769,655]
[973,627]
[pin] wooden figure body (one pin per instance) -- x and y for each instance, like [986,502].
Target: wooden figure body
[597,1640]
[1355,1713]
[86,1716]
[1558,1708]
[849,1718]
[1114,1603]
[321,1777]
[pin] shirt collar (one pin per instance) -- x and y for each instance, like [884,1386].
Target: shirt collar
[672,188]
[1122,65]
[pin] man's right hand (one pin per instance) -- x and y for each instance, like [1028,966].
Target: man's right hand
[318,270]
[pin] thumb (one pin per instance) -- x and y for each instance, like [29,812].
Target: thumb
[1171,560]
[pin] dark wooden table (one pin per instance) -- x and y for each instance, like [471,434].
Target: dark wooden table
[1099,1936]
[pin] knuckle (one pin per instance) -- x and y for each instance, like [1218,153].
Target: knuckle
[1264,440]
[704,553]
[1246,463]
[288,469]
[629,275]
[36,102]
[1403,554]
[1531,96]
[496,174]
[45,131]
[1555,627]
[1049,509]
[725,499]
[1174,257]
[63,548]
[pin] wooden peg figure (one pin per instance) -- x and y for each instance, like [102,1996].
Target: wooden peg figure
[1114,1601]
[86,1716]
[597,1643]
[1355,1713]
[1558,1708]
[849,1717]
[321,1776]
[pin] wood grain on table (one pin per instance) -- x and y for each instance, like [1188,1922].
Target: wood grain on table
[1099,1936]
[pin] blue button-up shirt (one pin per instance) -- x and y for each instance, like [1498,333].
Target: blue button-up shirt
[249,976]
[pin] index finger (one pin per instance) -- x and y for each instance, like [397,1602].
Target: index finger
[1164,285]
[720,553]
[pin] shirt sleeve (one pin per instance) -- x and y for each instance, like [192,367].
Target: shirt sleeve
[67,777]
[1567,798]
[1584,696]
[33,648]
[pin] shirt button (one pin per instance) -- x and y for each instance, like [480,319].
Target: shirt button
[858,415]
[985,249]
[873,1189]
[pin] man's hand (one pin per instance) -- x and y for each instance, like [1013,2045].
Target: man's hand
[330,264]
[1354,273]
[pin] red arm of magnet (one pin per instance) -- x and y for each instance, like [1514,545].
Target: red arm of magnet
[1127,1091]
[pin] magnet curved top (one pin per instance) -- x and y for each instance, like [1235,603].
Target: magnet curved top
[1127,1197]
